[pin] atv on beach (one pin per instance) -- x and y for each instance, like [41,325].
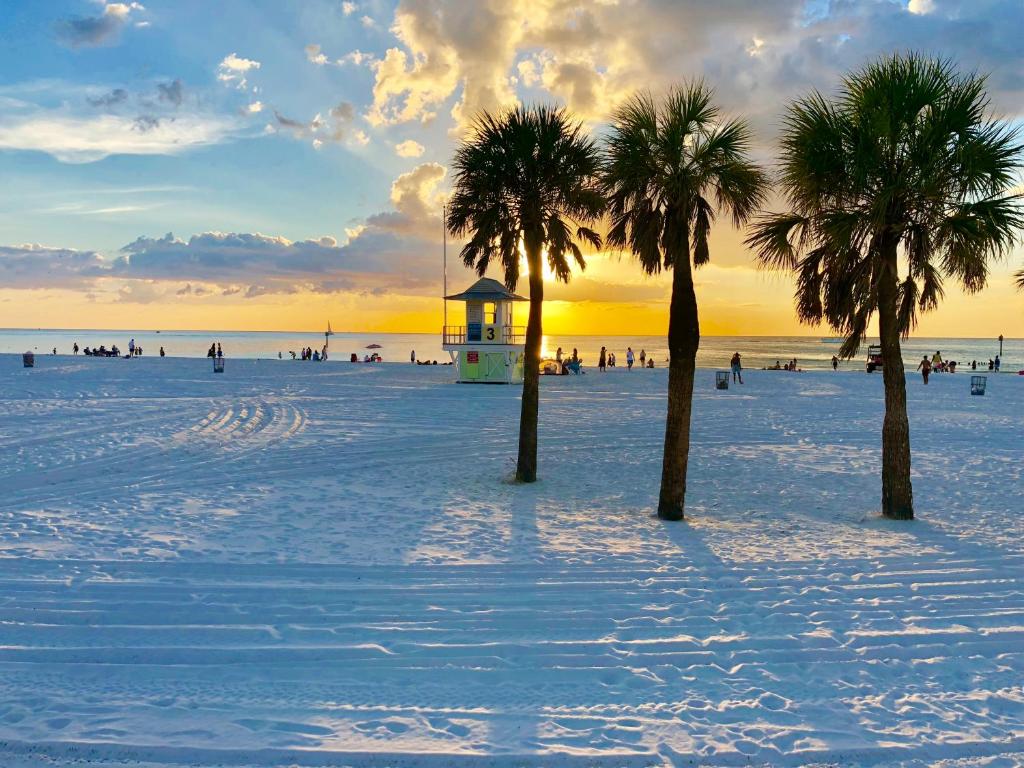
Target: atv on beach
[874,358]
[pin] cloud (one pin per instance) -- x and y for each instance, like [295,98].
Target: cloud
[417,199]
[254,108]
[84,139]
[234,70]
[409,148]
[90,31]
[392,251]
[173,93]
[39,266]
[348,8]
[315,55]
[333,128]
[465,57]
[109,99]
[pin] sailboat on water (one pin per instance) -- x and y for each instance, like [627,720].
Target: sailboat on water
[327,338]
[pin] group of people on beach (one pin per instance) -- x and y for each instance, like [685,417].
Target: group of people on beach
[937,365]
[134,350]
[606,359]
[215,351]
[308,353]
[792,365]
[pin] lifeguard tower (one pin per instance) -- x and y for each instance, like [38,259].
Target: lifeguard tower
[488,349]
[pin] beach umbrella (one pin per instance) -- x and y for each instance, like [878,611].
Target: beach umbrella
[374,346]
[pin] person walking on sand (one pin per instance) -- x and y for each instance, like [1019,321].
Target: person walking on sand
[220,352]
[936,359]
[997,364]
[643,358]
[835,363]
[602,360]
[75,348]
[131,348]
[737,368]
[925,367]
[629,358]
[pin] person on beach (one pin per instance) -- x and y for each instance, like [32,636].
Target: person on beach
[131,348]
[75,348]
[650,363]
[925,367]
[164,354]
[643,358]
[629,358]
[835,363]
[996,369]
[212,351]
[936,359]
[611,359]
[602,360]
[575,355]
[412,356]
[737,368]
[220,352]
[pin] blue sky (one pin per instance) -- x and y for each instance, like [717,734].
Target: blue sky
[318,133]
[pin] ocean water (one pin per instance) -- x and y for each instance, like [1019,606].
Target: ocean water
[715,351]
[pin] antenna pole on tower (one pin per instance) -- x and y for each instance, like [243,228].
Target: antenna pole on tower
[444,251]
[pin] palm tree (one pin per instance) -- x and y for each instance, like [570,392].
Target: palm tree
[669,168]
[898,182]
[525,180]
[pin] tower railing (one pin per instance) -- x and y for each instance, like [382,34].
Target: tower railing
[459,334]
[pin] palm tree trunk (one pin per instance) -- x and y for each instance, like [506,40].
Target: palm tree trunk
[683,340]
[897,493]
[526,466]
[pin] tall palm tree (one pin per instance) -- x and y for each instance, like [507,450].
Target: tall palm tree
[525,180]
[669,168]
[898,182]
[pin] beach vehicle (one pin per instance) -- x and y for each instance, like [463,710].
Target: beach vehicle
[874,358]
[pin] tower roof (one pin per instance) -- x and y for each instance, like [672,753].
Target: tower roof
[486,289]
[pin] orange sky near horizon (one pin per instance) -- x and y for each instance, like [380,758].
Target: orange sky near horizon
[734,301]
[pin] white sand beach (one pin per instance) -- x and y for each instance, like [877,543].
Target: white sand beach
[312,565]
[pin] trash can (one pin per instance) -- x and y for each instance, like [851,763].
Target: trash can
[978,384]
[218,365]
[721,379]
[28,360]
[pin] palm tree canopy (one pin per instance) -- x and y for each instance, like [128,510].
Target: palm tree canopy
[905,156]
[669,167]
[526,176]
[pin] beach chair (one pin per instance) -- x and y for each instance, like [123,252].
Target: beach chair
[721,379]
[978,385]
[218,365]
[574,366]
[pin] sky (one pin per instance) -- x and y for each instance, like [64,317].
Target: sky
[275,164]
